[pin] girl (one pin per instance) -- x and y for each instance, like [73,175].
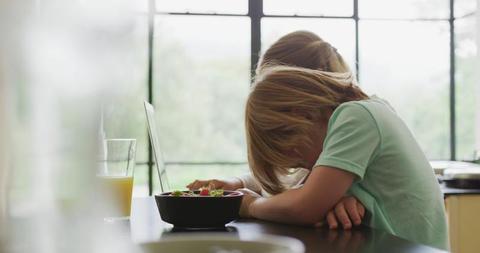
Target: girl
[303,49]
[352,144]
[297,117]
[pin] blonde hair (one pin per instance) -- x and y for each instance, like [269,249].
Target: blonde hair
[304,49]
[273,124]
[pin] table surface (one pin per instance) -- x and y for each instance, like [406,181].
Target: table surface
[146,226]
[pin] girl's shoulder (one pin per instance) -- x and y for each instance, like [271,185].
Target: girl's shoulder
[369,103]
[373,107]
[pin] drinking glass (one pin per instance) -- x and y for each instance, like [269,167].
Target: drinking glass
[115,177]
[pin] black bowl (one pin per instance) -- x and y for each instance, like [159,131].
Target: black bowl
[199,211]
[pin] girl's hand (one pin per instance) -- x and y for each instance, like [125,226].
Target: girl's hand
[248,198]
[228,184]
[347,211]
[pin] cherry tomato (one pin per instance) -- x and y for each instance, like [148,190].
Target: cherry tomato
[204,192]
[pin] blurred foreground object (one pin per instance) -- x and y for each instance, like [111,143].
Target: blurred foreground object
[58,60]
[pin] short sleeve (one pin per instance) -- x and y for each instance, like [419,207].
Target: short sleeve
[353,140]
[249,182]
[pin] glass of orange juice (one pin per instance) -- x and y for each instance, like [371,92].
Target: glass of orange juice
[115,178]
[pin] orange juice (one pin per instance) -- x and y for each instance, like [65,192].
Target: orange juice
[118,191]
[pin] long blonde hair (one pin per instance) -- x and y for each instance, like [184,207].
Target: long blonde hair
[273,125]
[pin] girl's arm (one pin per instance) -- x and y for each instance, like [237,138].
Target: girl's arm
[307,205]
[244,181]
[226,184]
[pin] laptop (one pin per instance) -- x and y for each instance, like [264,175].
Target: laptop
[157,153]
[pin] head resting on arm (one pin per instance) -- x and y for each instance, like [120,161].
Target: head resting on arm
[282,110]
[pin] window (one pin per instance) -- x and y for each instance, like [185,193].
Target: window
[467,96]
[406,9]
[199,67]
[204,6]
[308,7]
[407,63]
[203,54]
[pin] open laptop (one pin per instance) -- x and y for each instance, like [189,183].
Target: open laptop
[157,153]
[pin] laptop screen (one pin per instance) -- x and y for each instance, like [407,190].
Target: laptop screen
[157,153]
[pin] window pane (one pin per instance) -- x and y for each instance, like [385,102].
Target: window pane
[404,9]
[140,181]
[309,7]
[407,63]
[204,6]
[201,82]
[467,89]
[338,32]
[181,175]
[465,7]
[124,117]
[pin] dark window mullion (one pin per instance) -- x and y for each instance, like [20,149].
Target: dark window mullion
[357,54]
[452,82]
[199,14]
[307,16]
[255,12]
[151,27]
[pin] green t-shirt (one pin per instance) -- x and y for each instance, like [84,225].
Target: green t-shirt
[394,179]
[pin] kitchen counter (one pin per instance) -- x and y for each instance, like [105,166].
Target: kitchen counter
[146,226]
[440,166]
[457,191]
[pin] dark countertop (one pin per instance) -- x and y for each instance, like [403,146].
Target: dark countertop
[447,191]
[146,226]
[440,166]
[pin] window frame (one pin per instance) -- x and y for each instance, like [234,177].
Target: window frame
[255,13]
